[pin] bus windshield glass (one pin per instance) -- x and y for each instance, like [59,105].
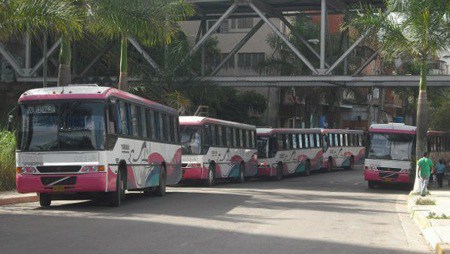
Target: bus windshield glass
[391,146]
[191,140]
[66,126]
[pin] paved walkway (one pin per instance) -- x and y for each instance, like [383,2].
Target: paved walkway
[12,197]
[436,231]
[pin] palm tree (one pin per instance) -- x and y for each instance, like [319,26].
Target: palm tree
[150,21]
[58,17]
[417,28]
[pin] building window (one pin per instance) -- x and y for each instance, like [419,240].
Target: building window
[250,60]
[219,58]
[242,23]
[223,28]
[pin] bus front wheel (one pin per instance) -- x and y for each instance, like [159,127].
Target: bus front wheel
[117,196]
[279,175]
[45,199]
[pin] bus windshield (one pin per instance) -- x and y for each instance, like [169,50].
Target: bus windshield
[191,140]
[391,146]
[69,126]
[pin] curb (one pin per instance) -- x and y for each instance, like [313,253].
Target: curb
[17,200]
[419,215]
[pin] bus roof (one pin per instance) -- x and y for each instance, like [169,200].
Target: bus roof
[201,120]
[72,92]
[270,131]
[393,128]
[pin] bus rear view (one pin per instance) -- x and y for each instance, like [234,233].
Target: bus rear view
[390,154]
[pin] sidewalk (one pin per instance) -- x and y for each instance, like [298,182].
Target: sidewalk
[13,197]
[435,231]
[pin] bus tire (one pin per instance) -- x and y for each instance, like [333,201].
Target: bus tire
[371,184]
[211,180]
[241,177]
[45,199]
[279,175]
[351,164]
[307,168]
[160,190]
[330,165]
[116,197]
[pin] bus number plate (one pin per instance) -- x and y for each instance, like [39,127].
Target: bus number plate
[58,188]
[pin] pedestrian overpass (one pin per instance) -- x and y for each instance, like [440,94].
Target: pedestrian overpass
[322,74]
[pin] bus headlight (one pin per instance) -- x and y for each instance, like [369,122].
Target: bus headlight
[90,169]
[26,170]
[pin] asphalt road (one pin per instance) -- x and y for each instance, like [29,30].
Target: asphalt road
[323,213]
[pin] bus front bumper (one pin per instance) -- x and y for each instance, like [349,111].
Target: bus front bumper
[61,183]
[386,176]
[266,171]
[194,173]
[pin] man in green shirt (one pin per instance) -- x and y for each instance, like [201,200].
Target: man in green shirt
[424,165]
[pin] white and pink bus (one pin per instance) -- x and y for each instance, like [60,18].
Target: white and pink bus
[283,152]
[343,148]
[217,149]
[86,141]
[391,154]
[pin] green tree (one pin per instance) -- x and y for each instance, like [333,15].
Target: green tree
[417,28]
[58,17]
[151,22]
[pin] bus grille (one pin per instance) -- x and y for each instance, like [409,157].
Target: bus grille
[58,169]
[388,175]
[389,169]
[49,180]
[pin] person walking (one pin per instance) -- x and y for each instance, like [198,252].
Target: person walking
[424,165]
[440,170]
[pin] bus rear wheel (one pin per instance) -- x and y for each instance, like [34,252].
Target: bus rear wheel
[307,168]
[330,165]
[161,189]
[211,180]
[45,199]
[351,164]
[241,178]
[371,184]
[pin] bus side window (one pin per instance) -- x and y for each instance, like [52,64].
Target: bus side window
[123,119]
[172,129]
[165,128]
[253,139]
[213,135]
[157,125]
[219,136]
[273,142]
[113,114]
[294,141]
[150,123]
[134,120]
[143,122]
[306,140]
[176,130]
[318,140]
[300,141]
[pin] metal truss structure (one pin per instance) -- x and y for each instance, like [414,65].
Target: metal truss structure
[265,10]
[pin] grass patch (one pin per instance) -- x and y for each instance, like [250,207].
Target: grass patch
[7,160]
[433,215]
[425,201]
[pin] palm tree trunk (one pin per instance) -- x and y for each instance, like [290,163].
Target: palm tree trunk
[65,57]
[422,119]
[123,84]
